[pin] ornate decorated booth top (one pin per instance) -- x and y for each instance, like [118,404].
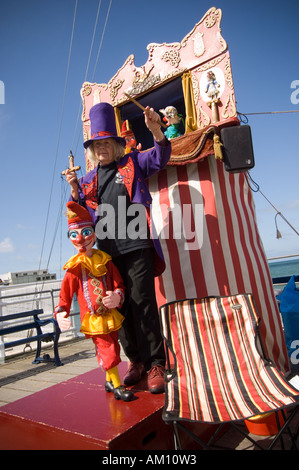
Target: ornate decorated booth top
[203,53]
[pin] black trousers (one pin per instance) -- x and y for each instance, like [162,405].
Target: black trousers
[140,335]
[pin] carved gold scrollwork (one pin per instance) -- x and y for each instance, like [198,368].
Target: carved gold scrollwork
[115,88]
[143,81]
[210,64]
[86,90]
[195,86]
[151,47]
[85,134]
[211,19]
[203,118]
[212,16]
[173,57]
[229,108]
[228,74]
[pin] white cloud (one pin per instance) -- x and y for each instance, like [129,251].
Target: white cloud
[6,246]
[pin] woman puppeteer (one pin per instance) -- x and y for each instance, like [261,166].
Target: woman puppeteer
[119,182]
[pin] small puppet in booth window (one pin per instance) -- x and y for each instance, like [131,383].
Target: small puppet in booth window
[96,281]
[174,122]
[129,136]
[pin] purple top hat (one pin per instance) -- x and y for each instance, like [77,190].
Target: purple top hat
[102,124]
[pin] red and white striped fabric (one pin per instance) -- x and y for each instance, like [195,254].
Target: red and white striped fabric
[218,374]
[226,256]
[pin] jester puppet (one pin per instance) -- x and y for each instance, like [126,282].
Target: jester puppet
[96,281]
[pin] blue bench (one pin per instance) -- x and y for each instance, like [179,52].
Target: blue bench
[33,323]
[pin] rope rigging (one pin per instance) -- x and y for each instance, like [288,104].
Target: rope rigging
[59,132]
[278,212]
[64,189]
[244,119]
[87,68]
[55,162]
[100,46]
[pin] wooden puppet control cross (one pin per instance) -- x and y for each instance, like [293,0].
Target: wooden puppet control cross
[71,164]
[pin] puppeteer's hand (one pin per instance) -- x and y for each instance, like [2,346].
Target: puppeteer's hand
[153,123]
[71,178]
[63,323]
[111,300]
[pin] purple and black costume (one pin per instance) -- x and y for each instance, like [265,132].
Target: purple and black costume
[138,261]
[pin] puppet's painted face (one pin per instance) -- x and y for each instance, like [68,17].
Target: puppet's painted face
[131,142]
[83,239]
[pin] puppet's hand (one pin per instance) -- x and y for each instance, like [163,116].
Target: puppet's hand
[112,299]
[63,323]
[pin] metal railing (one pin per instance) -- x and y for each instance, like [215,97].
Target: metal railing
[45,295]
[33,296]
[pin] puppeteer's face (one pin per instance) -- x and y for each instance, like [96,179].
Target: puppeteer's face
[104,151]
[83,239]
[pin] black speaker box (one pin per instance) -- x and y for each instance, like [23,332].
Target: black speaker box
[237,148]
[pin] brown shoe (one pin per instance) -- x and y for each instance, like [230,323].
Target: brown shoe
[155,379]
[134,373]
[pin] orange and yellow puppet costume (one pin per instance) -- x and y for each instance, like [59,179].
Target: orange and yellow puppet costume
[99,288]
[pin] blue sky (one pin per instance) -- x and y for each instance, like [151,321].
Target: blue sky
[38,115]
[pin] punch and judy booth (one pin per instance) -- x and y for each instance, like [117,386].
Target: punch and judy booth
[202,207]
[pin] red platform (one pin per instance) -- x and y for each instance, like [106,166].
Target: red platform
[79,414]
